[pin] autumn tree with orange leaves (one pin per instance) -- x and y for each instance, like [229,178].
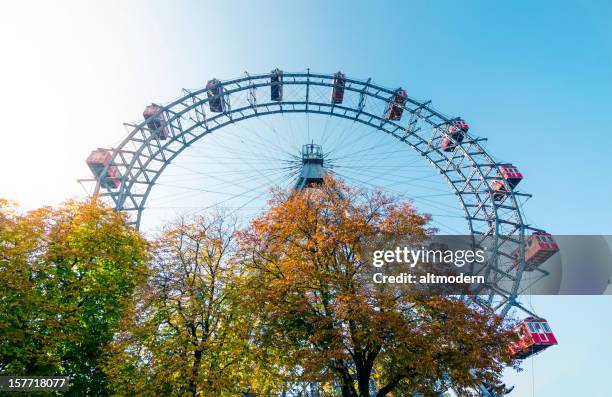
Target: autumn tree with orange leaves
[305,269]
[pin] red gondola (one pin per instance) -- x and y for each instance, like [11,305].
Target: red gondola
[456,132]
[156,121]
[97,160]
[534,335]
[538,248]
[338,89]
[214,90]
[511,175]
[395,106]
[276,85]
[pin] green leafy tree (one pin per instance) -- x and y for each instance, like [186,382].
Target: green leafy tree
[186,333]
[66,277]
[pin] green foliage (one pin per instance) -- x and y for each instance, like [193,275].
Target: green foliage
[186,332]
[66,276]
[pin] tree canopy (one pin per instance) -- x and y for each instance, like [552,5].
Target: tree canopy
[305,263]
[187,332]
[66,276]
[283,305]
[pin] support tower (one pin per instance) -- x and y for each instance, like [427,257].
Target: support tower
[313,171]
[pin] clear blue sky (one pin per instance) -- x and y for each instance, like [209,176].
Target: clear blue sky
[533,77]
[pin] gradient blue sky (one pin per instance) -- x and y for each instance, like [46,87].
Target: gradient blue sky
[533,77]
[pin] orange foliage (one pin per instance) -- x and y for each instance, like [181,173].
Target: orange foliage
[307,279]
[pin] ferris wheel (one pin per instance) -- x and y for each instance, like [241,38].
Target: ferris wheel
[229,142]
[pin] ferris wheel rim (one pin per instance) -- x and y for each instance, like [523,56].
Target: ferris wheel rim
[174,111]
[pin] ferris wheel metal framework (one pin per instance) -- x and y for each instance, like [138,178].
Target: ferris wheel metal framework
[469,170]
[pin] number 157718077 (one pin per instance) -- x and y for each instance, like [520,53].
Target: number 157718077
[33,383]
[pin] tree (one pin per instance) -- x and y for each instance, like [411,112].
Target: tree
[186,332]
[306,271]
[66,276]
